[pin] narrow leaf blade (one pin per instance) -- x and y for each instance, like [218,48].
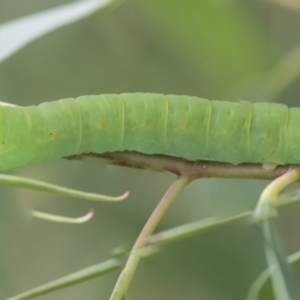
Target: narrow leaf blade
[16,34]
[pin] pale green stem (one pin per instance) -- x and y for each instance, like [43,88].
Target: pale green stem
[16,181]
[271,192]
[283,280]
[158,239]
[127,274]
[261,281]
[63,219]
[71,279]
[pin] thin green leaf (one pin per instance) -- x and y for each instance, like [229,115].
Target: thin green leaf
[16,34]
[62,219]
[261,289]
[284,284]
[71,279]
[191,229]
[16,181]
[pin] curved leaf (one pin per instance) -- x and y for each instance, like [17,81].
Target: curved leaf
[16,34]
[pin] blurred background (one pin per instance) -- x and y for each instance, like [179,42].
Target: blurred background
[220,49]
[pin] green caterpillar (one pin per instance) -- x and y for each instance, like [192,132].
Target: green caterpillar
[183,126]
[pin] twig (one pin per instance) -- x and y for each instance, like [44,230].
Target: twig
[182,167]
[126,275]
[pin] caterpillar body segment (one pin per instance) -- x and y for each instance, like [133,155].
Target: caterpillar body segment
[183,126]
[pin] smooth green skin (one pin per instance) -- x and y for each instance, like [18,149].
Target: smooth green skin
[183,126]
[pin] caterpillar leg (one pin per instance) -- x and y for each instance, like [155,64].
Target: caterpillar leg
[269,166]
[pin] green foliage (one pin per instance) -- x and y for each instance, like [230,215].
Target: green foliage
[262,287]
[219,37]
[200,48]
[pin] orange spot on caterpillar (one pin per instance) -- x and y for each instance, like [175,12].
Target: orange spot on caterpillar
[145,124]
[55,137]
[186,127]
[227,131]
[101,125]
[267,135]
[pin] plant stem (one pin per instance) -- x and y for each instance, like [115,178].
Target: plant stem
[271,192]
[266,204]
[127,274]
[182,167]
